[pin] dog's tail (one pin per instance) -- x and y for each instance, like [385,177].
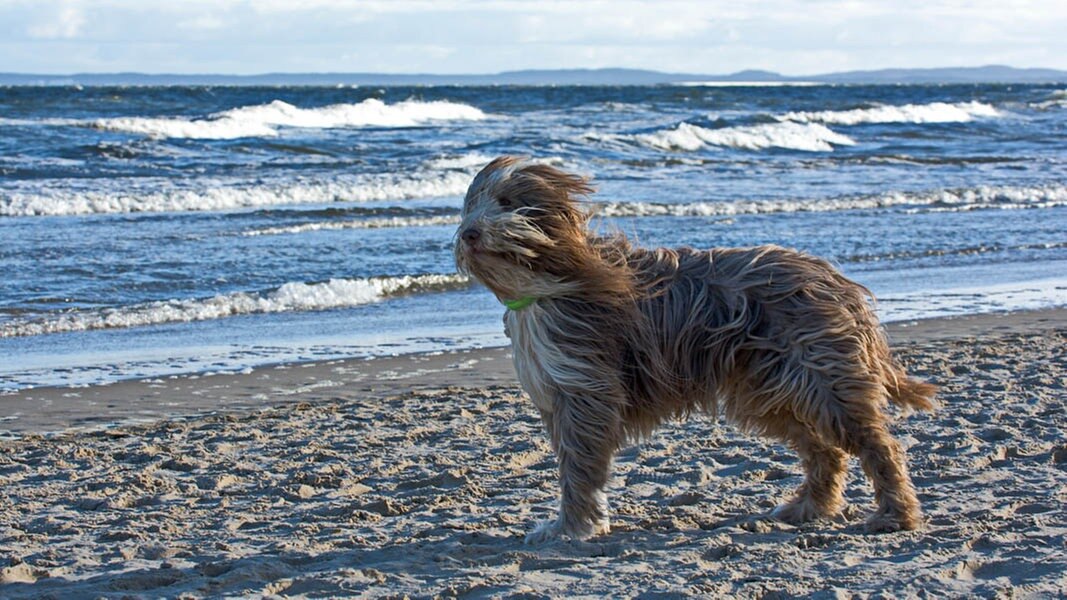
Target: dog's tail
[908,392]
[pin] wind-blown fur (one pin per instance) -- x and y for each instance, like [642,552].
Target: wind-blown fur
[621,339]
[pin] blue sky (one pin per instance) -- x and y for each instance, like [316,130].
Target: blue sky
[481,36]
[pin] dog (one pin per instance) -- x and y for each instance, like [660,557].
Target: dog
[611,340]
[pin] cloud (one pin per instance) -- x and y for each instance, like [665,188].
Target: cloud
[485,36]
[202,23]
[66,23]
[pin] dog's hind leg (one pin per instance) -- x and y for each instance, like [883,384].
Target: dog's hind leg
[822,493]
[883,461]
[863,433]
[585,434]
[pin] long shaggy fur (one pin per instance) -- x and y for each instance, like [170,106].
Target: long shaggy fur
[621,339]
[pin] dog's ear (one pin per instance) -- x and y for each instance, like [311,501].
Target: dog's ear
[501,162]
[563,183]
[555,194]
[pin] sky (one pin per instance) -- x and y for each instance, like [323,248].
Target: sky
[793,37]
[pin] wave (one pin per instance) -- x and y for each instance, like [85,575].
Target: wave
[984,197]
[966,251]
[802,130]
[293,296]
[810,137]
[465,161]
[10,122]
[1057,99]
[211,195]
[263,120]
[934,112]
[375,223]
[933,201]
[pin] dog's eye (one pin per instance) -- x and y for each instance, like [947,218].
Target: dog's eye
[504,201]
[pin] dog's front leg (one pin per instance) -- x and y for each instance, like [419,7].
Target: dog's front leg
[585,433]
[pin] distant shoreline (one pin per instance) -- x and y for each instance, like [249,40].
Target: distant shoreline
[990,74]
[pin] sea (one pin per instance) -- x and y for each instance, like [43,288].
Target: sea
[149,232]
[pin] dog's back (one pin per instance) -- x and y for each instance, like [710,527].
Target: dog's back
[718,320]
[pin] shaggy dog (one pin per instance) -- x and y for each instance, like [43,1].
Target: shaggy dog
[611,340]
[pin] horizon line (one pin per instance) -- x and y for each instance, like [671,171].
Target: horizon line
[529,70]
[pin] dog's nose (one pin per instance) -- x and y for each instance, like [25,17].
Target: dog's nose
[470,235]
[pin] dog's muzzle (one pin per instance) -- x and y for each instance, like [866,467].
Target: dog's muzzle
[470,235]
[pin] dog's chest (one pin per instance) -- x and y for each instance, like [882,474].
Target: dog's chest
[536,357]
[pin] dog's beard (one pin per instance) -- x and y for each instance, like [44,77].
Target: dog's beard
[510,275]
[497,272]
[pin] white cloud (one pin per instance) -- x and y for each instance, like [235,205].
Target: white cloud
[202,23]
[66,23]
[479,36]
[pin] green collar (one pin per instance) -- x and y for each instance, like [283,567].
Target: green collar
[520,303]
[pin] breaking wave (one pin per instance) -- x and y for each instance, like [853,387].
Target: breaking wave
[934,112]
[293,296]
[466,161]
[802,130]
[810,137]
[263,120]
[940,201]
[958,200]
[210,195]
[1057,99]
[374,223]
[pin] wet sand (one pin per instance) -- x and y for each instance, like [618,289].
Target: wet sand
[49,410]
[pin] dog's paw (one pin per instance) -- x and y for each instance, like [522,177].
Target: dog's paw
[601,527]
[890,521]
[796,512]
[546,531]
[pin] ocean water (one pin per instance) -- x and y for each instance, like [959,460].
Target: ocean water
[151,231]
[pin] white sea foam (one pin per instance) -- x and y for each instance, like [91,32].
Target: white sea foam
[293,296]
[934,112]
[210,195]
[466,161]
[984,197]
[373,223]
[1057,99]
[802,130]
[1005,198]
[263,120]
[811,137]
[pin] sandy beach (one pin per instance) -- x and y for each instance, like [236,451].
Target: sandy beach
[419,475]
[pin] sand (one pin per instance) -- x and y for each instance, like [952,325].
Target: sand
[418,476]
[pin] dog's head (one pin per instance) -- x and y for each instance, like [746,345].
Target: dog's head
[523,233]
